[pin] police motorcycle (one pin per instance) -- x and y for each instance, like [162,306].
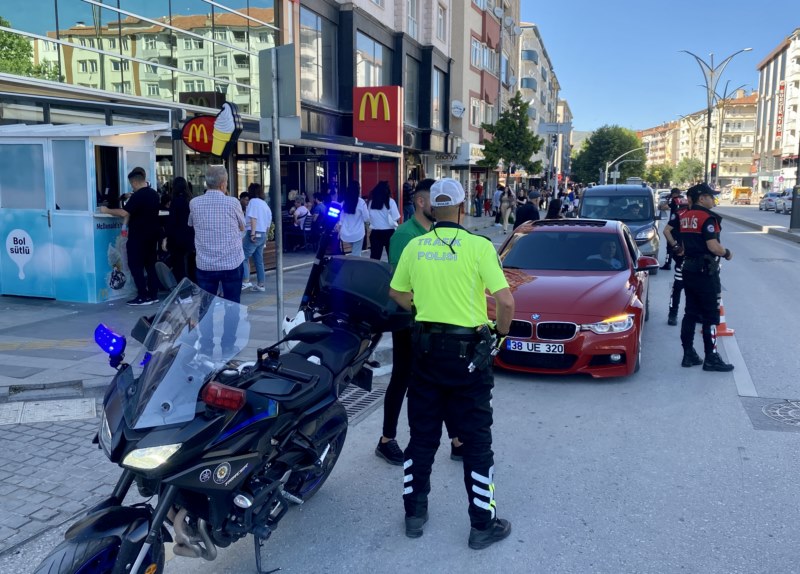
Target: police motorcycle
[224,444]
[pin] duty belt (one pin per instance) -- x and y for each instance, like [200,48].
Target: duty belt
[445,328]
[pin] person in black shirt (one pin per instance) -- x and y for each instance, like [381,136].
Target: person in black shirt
[528,210]
[180,237]
[141,216]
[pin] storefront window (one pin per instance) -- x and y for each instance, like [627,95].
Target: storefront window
[318,55]
[438,97]
[373,62]
[69,167]
[411,91]
[22,176]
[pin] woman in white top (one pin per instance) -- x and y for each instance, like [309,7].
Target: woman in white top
[354,217]
[383,219]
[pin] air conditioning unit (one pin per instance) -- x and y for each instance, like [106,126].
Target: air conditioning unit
[408,139]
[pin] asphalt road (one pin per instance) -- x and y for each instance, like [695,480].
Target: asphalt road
[669,470]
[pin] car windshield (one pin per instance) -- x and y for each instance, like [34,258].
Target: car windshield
[565,251]
[620,208]
[192,337]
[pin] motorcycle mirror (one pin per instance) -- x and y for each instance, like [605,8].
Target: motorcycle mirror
[141,328]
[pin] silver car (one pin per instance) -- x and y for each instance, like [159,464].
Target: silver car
[783,203]
[767,202]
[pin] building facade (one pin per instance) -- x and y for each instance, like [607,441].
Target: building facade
[735,140]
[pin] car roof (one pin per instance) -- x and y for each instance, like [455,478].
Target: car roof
[573,224]
[620,189]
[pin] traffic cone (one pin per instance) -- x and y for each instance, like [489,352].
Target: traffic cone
[722,329]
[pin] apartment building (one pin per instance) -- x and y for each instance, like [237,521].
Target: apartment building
[734,139]
[563,142]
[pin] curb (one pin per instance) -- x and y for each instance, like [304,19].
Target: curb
[788,235]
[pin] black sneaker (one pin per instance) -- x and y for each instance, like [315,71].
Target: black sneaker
[480,539]
[139,301]
[714,362]
[691,359]
[672,320]
[456,452]
[390,452]
[414,525]
[150,301]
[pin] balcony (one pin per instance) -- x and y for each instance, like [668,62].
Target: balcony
[530,56]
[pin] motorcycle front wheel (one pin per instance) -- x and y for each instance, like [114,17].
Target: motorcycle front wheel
[96,556]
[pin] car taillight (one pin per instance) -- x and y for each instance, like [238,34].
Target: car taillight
[222,396]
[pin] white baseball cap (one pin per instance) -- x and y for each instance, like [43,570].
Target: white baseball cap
[449,187]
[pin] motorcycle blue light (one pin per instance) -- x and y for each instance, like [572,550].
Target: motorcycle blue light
[109,341]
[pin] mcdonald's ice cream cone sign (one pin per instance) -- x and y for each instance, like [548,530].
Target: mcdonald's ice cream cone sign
[216,135]
[378,114]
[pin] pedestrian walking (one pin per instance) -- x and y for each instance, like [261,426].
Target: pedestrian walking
[408,202]
[498,194]
[444,274]
[700,232]
[141,220]
[354,219]
[256,228]
[180,237]
[478,197]
[218,224]
[554,210]
[672,233]
[528,210]
[508,203]
[383,220]
[419,224]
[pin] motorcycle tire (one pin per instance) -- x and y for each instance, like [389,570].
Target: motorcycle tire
[306,485]
[96,556]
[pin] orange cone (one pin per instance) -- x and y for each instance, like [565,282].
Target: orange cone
[722,329]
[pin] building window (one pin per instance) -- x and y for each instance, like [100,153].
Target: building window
[192,44]
[318,54]
[411,91]
[529,84]
[194,86]
[504,69]
[475,112]
[124,44]
[488,114]
[373,62]
[193,65]
[150,43]
[122,87]
[530,56]
[118,65]
[242,61]
[83,66]
[239,36]
[378,3]
[221,35]
[480,4]
[111,43]
[221,61]
[441,23]
[152,68]
[438,96]
[82,41]
[265,37]
[152,89]
[90,42]
[475,53]
[411,9]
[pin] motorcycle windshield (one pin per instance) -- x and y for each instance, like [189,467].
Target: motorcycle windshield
[193,336]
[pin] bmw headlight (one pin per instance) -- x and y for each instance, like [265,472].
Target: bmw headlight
[646,234]
[105,434]
[616,324]
[150,458]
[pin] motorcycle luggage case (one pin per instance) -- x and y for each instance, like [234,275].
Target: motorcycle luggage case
[359,287]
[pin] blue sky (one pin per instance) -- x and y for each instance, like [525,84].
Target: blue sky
[618,61]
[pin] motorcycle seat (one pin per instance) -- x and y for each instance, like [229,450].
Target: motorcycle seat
[290,392]
[334,352]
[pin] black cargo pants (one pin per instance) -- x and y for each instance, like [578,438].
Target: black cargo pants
[703,292]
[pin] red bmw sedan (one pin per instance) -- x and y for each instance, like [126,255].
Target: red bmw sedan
[580,290]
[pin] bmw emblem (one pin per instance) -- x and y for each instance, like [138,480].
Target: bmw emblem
[535,316]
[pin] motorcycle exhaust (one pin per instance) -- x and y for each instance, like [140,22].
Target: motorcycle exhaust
[191,543]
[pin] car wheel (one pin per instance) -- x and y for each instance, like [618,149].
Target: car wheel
[638,352]
[760,208]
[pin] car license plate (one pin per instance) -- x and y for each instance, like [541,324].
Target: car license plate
[529,347]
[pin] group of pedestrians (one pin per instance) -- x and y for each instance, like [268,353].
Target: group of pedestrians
[375,219]
[693,241]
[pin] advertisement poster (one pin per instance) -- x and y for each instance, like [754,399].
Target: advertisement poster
[26,266]
[113,278]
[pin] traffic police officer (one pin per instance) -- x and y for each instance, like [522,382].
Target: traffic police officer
[672,233]
[699,231]
[444,275]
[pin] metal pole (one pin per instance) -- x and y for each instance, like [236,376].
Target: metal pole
[275,189]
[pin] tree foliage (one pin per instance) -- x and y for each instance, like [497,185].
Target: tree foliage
[16,56]
[512,141]
[689,171]
[606,144]
[660,174]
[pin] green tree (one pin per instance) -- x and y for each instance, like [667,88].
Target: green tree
[689,171]
[606,144]
[512,142]
[660,174]
[16,56]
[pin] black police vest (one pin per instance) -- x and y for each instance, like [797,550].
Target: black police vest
[692,223]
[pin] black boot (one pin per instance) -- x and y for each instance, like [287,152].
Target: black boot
[714,362]
[672,319]
[479,539]
[667,266]
[414,525]
[691,358]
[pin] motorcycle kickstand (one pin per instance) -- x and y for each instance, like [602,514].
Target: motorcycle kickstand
[259,544]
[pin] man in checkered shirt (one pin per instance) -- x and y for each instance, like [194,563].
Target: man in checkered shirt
[218,224]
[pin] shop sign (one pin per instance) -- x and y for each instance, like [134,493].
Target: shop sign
[216,135]
[378,114]
[780,103]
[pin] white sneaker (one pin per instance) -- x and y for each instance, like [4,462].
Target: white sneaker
[246,285]
[261,288]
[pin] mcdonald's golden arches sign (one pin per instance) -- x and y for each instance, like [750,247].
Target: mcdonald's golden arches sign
[378,114]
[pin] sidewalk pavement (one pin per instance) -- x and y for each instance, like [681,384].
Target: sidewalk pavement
[52,378]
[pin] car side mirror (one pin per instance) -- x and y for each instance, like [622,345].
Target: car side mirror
[646,263]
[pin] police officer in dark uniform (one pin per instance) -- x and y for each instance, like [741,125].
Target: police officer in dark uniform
[699,231]
[672,233]
[444,275]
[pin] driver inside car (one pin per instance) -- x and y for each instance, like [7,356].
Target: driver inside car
[607,255]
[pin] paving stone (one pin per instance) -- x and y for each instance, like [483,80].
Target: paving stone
[44,514]
[14,520]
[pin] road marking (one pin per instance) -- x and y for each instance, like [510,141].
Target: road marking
[44,344]
[744,383]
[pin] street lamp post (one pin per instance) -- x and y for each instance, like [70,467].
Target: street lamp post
[711,74]
[610,163]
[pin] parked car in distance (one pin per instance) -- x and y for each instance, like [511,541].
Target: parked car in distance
[580,291]
[767,202]
[783,203]
[663,199]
